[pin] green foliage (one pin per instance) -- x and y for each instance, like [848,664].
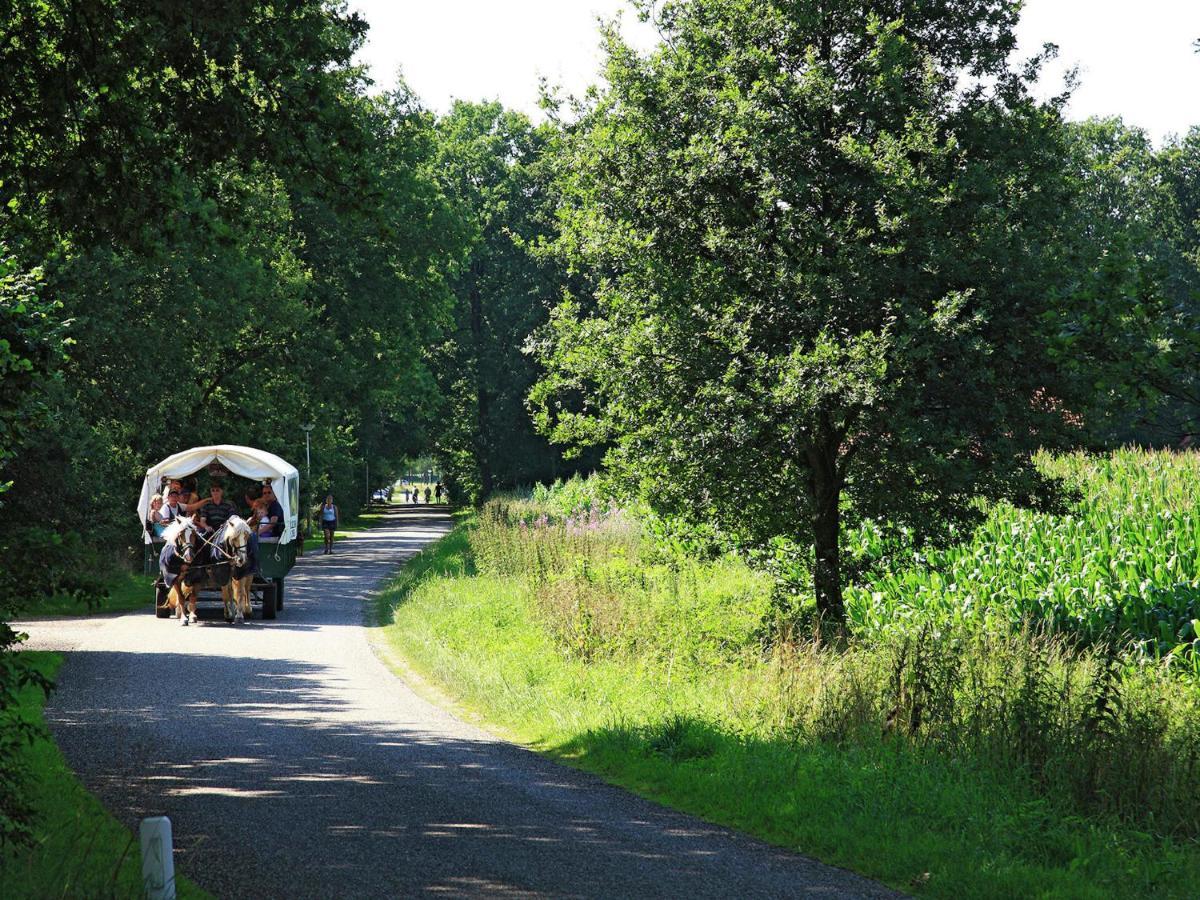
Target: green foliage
[834,272]
[209,233]
[492,163]
[277,250]
[111,108]
[1122,563]
[32,335]
[1137,234]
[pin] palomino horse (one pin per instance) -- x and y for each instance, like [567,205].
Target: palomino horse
[177,556]
[238,545]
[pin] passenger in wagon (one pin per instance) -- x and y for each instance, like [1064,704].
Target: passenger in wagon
[155,523]
[172,509]
[216,510]
[273,513]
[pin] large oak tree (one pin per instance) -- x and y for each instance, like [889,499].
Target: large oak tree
[833,272]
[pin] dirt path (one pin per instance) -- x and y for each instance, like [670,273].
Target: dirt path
[294,764]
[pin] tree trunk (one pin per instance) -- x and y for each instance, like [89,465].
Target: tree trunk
[825,489]
[482,399]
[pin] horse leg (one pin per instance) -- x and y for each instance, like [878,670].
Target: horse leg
[226,602]
[181,601]
[239,598]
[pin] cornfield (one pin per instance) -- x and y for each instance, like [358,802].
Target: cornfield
[1125,563]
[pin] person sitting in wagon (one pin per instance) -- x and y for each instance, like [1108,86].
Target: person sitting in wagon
[188,498]
[155,523]
[173,508]
[271,513]
[216,511]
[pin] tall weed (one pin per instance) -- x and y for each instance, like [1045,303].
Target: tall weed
[1085,725]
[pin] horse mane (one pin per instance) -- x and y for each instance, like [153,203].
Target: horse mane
[234,526]
[179,523]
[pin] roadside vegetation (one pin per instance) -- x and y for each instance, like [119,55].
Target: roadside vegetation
[74,848]
[1016,751]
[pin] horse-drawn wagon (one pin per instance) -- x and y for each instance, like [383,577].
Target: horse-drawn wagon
[210,575]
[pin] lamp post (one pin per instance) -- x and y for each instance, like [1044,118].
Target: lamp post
[308,474]
[308,451]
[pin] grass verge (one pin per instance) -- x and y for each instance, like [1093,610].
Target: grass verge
[125,592]
[79,850]
[662,727]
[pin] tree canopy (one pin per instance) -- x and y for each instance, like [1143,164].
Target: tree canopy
[833,273]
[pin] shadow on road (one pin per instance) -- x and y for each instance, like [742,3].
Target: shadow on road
[314,802]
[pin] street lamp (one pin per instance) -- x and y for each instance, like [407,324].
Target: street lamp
[308,474]
[308,451]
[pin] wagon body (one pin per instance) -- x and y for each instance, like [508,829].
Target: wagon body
[276,556]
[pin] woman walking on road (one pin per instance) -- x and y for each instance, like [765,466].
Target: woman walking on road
[329,518]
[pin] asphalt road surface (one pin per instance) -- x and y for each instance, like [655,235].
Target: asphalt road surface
[293,763]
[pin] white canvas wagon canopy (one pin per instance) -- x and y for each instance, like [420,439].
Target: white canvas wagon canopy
[244,461]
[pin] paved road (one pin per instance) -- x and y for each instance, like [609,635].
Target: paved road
[294,764]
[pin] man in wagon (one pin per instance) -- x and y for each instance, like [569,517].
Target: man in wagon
[216,510]
[273,509]
[173,508]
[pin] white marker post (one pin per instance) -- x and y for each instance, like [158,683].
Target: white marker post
[158,858]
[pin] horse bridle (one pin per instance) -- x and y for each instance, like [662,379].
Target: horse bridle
[219,555]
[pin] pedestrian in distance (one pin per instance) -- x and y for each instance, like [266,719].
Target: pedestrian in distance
[427,493]
[329,519]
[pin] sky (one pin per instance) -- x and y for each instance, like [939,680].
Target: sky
[1136,58]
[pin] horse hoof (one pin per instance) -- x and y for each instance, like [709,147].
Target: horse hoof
[183,621]
[193,617]
[239,620]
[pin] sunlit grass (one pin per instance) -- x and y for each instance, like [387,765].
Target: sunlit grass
[956,764]
[125,592]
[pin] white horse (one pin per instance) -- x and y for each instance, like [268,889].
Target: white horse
[180,535]
[235,542]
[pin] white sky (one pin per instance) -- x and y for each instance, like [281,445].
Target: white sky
[1136,57]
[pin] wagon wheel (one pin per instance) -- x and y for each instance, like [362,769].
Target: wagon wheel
[161,610]
[268,601]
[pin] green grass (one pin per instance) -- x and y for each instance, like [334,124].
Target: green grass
[79,850]
[125,592]
[652,673]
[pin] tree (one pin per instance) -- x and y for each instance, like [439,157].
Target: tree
[826,239]
[1136,237]
[492,163]
[1177,246]
[243,239]
[31,346]
[108,103]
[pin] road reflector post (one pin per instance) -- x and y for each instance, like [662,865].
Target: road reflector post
[158,858]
